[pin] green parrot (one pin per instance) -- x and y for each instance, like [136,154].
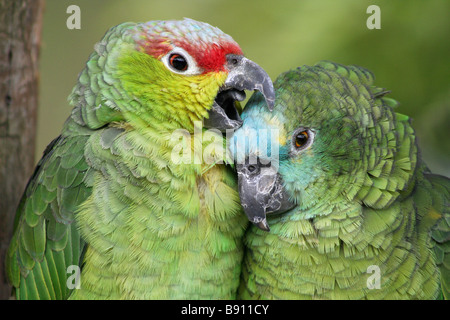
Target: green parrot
[111,212]
[342,205]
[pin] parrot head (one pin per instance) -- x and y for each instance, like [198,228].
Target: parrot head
[330,138]
[172,72]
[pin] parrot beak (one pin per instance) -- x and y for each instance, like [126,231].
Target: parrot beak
[261,192]
[244,74]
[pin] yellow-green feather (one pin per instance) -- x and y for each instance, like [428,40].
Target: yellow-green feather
[157,230]
[108,198]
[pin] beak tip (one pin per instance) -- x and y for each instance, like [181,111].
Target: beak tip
[270,105]
[263,225]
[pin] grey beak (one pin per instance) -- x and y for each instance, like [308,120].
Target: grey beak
[244,74]
[247,75]
[261,192]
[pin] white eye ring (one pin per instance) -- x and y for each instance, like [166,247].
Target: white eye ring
[192,67]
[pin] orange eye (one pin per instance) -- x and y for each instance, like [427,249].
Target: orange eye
[301,139]
[178,62]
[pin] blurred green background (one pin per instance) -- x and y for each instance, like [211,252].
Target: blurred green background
[410,54]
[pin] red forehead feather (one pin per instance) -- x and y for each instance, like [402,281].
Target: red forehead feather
[210,57]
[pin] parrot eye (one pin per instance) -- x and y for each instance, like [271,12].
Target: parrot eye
[302,139]
[180,61]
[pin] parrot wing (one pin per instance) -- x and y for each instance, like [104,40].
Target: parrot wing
[441,232]
[45,240]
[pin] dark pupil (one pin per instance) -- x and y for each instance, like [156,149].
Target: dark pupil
[178,62]
[300,139]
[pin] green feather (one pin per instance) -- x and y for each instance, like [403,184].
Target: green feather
[107,197]
[363,195]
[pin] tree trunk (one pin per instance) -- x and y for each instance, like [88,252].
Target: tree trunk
[20,35]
